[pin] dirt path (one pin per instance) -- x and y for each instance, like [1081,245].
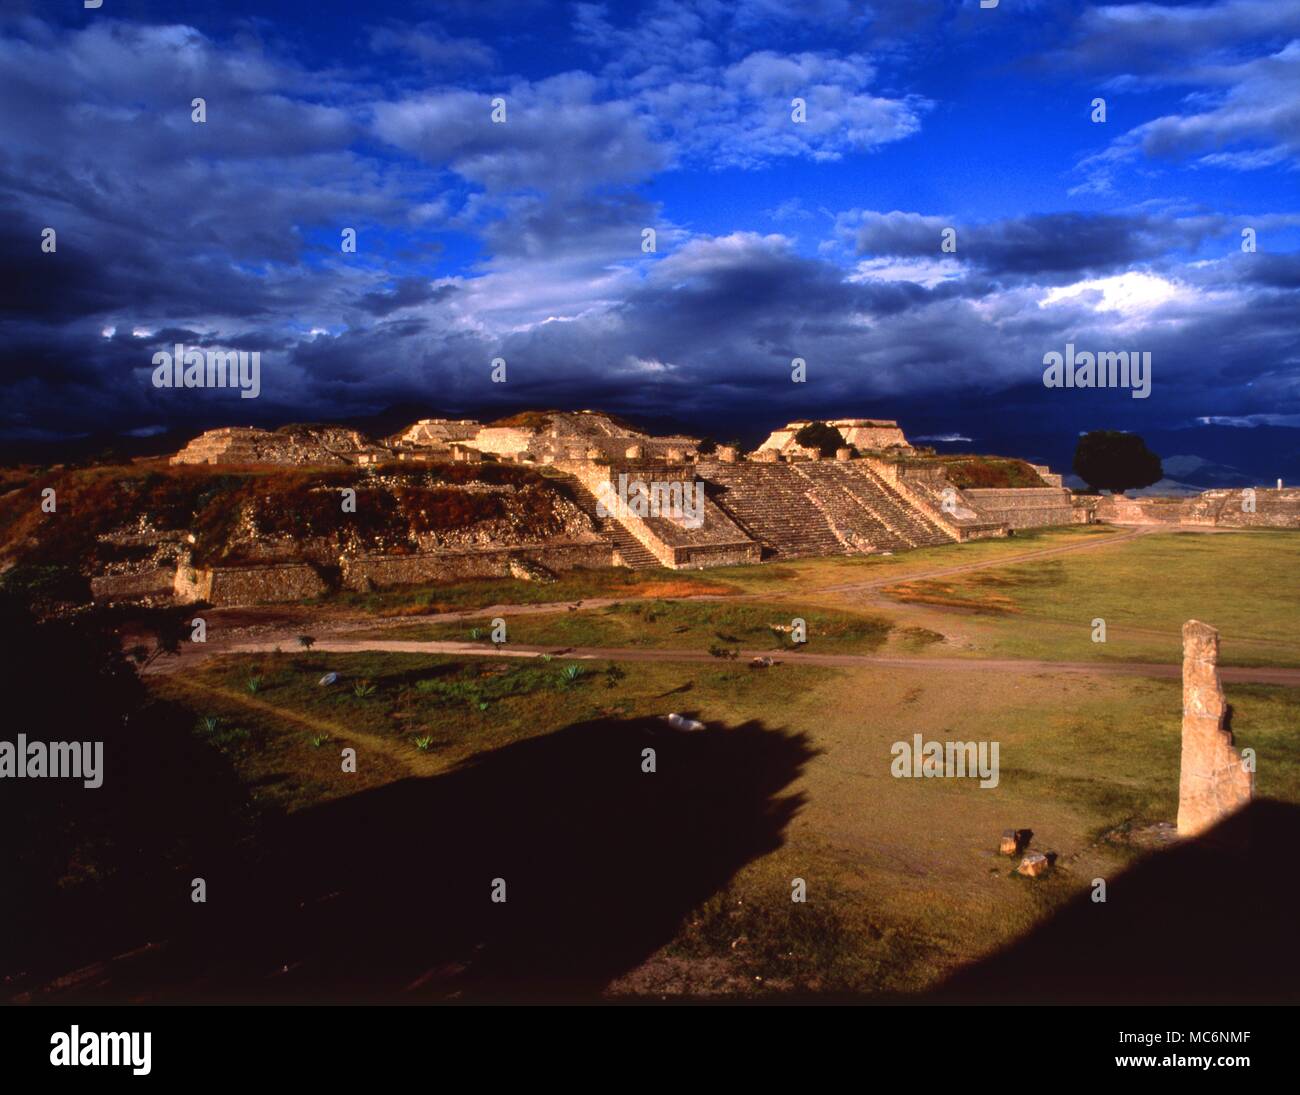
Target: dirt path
[1231,674]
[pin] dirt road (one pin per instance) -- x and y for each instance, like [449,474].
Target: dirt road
[1230,674]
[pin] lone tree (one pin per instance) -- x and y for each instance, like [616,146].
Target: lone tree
[817,435]
[1116,461]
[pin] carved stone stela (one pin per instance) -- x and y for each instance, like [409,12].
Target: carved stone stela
[1213,782]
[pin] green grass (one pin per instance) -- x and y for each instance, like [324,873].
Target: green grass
[1243,583]
[464,706]
[675,625]
[572,585]
[904,884]
[800,576]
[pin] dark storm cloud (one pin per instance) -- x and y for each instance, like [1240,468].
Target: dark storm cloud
[226,235]
[407,293]
[1040,246]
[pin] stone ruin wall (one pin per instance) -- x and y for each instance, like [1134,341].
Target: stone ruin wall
[924,486]
[154,582]
[862,433]
[225,586]
[504,440]
[1023,507]
[248,445]
[385,571]
[717,543]
[874,436]
[1225,508]
[1222,508]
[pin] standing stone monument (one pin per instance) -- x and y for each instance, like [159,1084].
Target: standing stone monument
[1213,782]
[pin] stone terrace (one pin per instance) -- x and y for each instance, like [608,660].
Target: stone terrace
[289,446]
[819,508]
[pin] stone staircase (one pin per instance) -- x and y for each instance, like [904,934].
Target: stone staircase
[875,506]
[820,508]
[633,553]
[962,514]
[773,507]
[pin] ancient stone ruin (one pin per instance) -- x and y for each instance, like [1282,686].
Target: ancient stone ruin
[1213,780]
[862,433]
[289,446]
[1221,507]
[878,494]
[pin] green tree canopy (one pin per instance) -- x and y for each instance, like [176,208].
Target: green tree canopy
[817,435]
[1116,461]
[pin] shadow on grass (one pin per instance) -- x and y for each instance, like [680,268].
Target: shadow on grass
[386,894]
[1212,920]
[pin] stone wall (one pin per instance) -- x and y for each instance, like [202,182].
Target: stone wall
[862,433]
[1253,508]
[1226,508]
[438,433]
[503,440]
[1023,507]
[385,571]
[154,582]
[717,541]
[248,585]
[288,446]
[1118,509]
[927,487]
[724,555]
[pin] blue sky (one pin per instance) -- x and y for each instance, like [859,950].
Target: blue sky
[775,239]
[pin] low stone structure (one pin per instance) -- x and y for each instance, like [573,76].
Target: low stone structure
[385,571]
[712,539]
[437,433]
[1213,781]
[863,434]
[826,507]
[555,437]
[878,495]
[289,446]
[1249,507]
[1022,507]
[1034,865]
[1014,841]
[247,585]
[154,582]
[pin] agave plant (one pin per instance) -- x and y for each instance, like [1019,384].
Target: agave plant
[317,740]
[423,742]
[363,688]
[211,723]
[254,684]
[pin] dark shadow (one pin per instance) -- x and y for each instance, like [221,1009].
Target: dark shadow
[1212,920]
[386,894]
[679,690]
